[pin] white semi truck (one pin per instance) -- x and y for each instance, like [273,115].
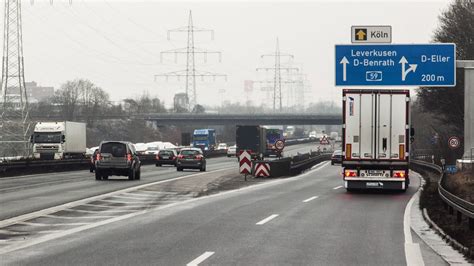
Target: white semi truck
[59,140]
[376,139]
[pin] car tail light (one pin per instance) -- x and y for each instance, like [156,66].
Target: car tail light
[199,157]
[173,158]
[350,173]
[348,151]
[401,151]
[180,156]
[157,157]
[399,174]
[129,157]
[98,157]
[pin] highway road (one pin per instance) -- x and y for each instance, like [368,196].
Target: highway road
[306,220]
[25,194]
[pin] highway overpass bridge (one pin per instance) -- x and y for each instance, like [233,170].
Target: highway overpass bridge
[242,119]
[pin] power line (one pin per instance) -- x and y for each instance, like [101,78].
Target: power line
[190,73]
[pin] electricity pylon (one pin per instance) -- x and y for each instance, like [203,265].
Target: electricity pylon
[190,73]
[14,113]
[277,78]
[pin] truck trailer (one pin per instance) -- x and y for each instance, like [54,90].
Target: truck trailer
[376,139]
[252,139]
[59,140]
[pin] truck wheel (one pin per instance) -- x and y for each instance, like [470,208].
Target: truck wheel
[97,175]
[131,174]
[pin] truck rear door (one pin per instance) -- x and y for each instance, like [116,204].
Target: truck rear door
[391,126]
[359,124]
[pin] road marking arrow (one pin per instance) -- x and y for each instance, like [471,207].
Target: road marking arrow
[344,63]
[412,67]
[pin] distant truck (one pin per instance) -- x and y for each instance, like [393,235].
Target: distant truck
[271,136]
[205,139]
[376,139]
[59,140]
[185,139]
[252,139]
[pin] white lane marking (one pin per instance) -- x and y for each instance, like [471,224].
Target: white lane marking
[319,166]
[133,198]
[412,250]
[102,211]
[77,218]
[60,224]
[201,258]
[32,215]
[266,220]
[71,231]
[338,187]
[310,199]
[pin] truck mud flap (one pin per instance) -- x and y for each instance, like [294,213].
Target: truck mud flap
[391,185]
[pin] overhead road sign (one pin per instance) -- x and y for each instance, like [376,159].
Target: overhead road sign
[432,65]
[371,34]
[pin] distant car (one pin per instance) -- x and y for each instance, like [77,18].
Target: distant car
[117,158]
[222,146]
[336,157]
[191,158]
[166,157]
[152,150]
[232,151]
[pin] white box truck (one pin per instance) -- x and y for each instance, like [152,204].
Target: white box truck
[59,140]
[376,139]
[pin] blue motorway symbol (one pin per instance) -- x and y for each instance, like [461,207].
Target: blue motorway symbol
[451,169]
[396,65]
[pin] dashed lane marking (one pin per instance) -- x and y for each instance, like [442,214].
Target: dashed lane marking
[338,187]
[201,258]
[266,220]
[310,199]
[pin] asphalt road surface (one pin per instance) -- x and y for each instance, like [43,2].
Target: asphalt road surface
[305,220]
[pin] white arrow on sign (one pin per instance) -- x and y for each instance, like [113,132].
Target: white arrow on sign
[412,67]
[344,63]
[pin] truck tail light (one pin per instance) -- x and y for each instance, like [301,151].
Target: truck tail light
[129,157]
[348,151]
[401,150]
[350,173]
[399,174]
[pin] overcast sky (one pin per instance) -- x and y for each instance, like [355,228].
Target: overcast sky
[117,44]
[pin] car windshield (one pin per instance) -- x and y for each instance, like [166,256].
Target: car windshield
[190,152]
[115,148]
[47,137]
[166,153]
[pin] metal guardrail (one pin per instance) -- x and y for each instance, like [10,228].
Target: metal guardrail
[462,207]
